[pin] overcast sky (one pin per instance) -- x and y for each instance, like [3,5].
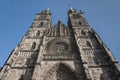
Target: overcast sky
[16,16]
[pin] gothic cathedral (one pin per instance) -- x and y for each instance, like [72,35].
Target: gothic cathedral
[72,52]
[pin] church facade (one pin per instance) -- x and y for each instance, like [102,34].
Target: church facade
[72,52]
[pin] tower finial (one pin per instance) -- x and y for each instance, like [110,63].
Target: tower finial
[70,7]
[48,7]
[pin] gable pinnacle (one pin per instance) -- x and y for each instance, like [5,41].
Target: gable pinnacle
[60,22]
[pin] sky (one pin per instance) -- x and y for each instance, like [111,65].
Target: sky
[16,16]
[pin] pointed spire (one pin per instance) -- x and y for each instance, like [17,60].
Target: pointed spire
[60,23]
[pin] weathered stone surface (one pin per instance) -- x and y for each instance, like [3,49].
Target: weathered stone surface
[72,52]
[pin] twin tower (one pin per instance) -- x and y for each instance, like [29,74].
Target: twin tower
[72,52]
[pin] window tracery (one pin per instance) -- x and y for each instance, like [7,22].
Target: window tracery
[88,44]
[37,33]
[57,46]
[33,45]
[83,33]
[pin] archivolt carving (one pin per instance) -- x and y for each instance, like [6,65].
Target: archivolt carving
[60,72]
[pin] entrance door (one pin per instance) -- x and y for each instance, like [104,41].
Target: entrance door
[60,72]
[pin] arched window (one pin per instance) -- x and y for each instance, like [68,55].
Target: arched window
[41,24]
[83,33]
[37,33]
[79,23]
[88,44]
[33,45]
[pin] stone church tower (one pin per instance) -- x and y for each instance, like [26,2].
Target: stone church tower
[72,52]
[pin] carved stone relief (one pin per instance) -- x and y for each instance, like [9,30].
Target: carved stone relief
[96,73]
[20,62]
[58,57]
[81,42]
[26,46]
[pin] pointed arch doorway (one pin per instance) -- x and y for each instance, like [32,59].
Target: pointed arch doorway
[60,72]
